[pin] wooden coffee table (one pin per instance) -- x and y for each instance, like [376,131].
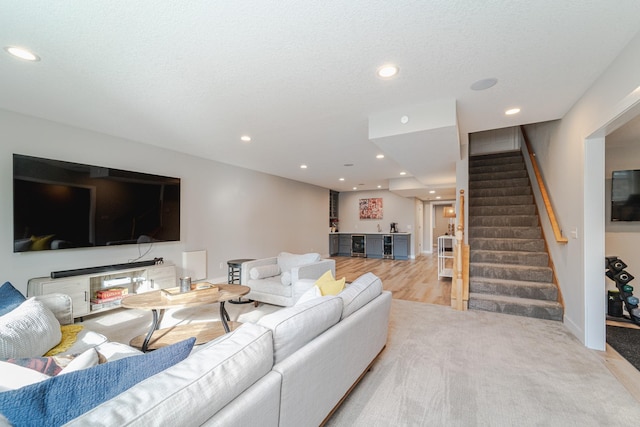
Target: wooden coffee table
[157,302]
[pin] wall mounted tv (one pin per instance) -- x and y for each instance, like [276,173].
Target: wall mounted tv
[59,205]
[625,195]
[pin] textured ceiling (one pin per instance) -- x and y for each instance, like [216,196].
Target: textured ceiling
[299,76]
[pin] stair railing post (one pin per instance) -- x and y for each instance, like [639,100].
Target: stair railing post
[460,288]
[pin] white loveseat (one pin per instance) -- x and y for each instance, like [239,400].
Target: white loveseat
[280,280]
[291,368]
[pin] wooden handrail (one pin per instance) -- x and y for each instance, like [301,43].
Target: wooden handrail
[557,233]
[460,285]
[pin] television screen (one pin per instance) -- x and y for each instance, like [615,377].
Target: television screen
[625,195]
[59,205]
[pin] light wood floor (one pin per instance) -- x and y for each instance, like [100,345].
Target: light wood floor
[411,280]
[417,280]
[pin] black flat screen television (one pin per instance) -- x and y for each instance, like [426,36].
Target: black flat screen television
[625,195]
[60,205]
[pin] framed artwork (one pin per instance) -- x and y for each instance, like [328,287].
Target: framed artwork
[371,208]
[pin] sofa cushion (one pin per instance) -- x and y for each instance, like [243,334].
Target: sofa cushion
[10,298]
[328,285]
[357,294]
[68,396]
[195,389]
[263,271]
[293,327]
[270,285]
[287,261]
[29,330]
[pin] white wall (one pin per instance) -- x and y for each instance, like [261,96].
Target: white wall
[579,267]
[494,141]
[395,209]
[228,211]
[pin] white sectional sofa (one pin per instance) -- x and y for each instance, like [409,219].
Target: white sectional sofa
[290,368]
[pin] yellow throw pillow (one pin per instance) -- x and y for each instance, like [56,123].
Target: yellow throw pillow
[69,336]
[328,285]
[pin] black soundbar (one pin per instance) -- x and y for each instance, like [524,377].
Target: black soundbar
[103,268]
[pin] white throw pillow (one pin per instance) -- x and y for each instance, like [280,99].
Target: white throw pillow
[263,271]
[29,330]
[311,293]
[114,350]
[14,376]
[83,361]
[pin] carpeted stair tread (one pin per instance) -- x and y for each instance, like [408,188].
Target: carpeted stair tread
[510,272]
[512,166]
[517,306]
[492,183]
[506,175]
[502,210]
[514,288]
[526,199]
[506,244]
[504,221]
[524,190]
[495,158]
[505,233]
[538,259]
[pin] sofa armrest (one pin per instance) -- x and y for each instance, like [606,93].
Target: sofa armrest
[247,266]
[60,304]
[313,270]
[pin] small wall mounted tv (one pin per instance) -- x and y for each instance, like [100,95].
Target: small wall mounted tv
[625,195]
[60,205]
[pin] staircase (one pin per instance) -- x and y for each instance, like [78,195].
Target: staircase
[508,264]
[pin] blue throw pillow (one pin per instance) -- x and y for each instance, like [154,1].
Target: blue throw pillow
[60,399]
[10,298]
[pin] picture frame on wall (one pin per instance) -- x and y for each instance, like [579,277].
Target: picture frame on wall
[371,208]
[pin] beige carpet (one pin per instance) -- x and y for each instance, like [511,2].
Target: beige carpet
[442,367]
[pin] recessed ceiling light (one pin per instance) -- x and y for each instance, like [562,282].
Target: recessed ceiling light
[484,84]
[512,111]
[438,197]
[403,173]
[379,186]
[432,191]
[303,166]
[355,188]
[245,138]
[380,156]
[22,53]
[404,120]
[341,179]
[387,71]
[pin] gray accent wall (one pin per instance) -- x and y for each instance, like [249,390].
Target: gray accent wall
[228,211]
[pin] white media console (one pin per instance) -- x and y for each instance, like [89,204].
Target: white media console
[82,288]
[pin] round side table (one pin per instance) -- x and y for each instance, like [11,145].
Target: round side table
[234,276]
